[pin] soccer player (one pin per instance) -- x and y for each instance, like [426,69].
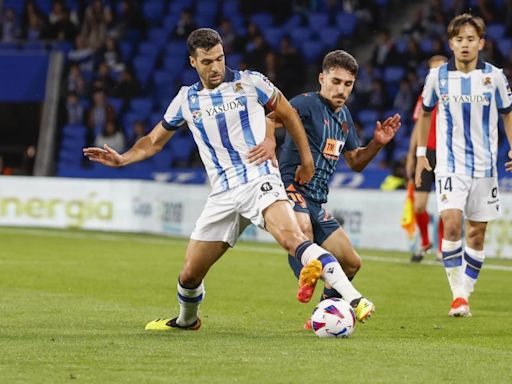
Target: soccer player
[331,133]
[469,93]
[427,177]
[225,113]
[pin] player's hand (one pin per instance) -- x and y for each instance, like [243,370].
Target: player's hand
[385,131]
[508,164]
[105,156]
[421,164]
[304,173]
[266,150]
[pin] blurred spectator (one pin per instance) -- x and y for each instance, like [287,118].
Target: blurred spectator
[396,180]
[377,98]
[28,160]
[103,79]
[10,28]
[492,54]
[384,52]
[416,28]
[82,54]
[412,57]
[75,81]
[293,75]
[129,18]
[97,20]
[127,87]
[64,29]
[98,115]
[138,132]
[258,49]
[74,109]
[111,54]
[33,31]
[404,98]
[271,68]
[186,24]
[227,35]
[111,136]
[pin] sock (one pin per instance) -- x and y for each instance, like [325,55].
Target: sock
[295,265]
[452,260]
[422,219]
[472,264]
[189,300]
[332,273]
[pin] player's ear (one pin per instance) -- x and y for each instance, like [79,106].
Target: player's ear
[321,78]
[481,44]
[192,61]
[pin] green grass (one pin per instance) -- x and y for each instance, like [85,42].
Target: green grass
[73,307]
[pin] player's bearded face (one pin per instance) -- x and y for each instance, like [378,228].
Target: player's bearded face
[466,44]
[336,86]
[210,65]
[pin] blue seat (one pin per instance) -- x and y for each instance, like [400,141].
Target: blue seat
[329,36]
[116,103]
[346,23]
[273,36]
[367,116]
[174,65]
[229,8]
[311,50]
[177,48]
[495,31]
[318,21]
[207,7]
[141,105]
[150,49]
[44,5]
[158,36]
[126,48]
[299,35]
[153,10]
[143,66]
[262,20]
[426,46]
[233,60]
[393,74]
[504,46]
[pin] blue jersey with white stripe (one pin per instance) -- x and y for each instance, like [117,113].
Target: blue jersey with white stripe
[467,117]
[226,123]
[329,134]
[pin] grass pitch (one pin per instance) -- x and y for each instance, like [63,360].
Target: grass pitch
[73,307]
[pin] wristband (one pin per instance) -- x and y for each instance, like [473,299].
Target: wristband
[421,151]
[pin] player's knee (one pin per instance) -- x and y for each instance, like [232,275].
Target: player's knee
[476,238]
[291,240]
[352,266]
[189,279]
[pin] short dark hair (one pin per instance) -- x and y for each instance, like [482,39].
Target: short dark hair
[205,38]
[340,59]
[466,18]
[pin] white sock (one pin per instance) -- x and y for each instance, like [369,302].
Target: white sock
[452,260]
[332,273]
[189,300]
[472,264]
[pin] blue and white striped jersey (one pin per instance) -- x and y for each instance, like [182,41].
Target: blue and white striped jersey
[226,122]
[467,118]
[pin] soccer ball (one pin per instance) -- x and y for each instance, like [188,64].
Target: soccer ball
[333,318]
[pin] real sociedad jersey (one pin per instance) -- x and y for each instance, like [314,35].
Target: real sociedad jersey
[226,122]
[329,134]
[467,117]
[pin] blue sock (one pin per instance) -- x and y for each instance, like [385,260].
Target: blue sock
[295,265]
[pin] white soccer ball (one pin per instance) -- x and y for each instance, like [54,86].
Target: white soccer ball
[333,318]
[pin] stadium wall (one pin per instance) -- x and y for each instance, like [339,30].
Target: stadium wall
[371,217]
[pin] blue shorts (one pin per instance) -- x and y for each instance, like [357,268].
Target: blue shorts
[322,222]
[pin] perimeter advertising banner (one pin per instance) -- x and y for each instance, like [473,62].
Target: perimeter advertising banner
[370,217]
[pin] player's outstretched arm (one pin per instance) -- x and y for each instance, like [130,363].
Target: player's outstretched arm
[507,122]
[359,158]
[145,147]
[291,120]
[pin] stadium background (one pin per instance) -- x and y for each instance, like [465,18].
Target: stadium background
[77,73]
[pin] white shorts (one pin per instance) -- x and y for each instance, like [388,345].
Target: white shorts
[227,214]
[478,198]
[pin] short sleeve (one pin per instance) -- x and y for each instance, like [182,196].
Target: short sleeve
[302,104]
[352,141]
[429,90]
[264,88]
[503,94]
[173,117]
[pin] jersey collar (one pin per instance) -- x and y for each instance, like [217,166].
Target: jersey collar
[229,76]
[480,64]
